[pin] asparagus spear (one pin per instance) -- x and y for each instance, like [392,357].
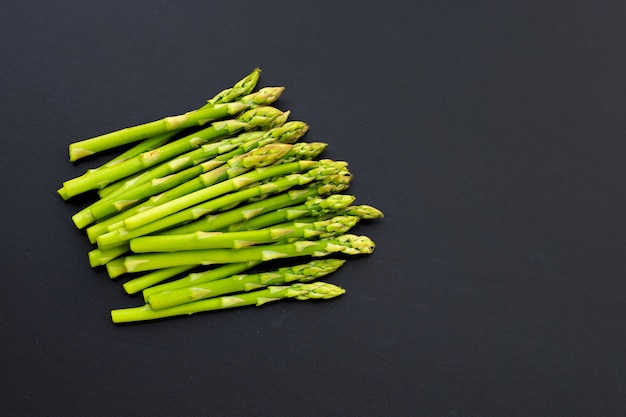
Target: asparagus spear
[300,291]
[286,204]
[149,280]
[317,170]
[111,140]
[348,244]
[215,109]
[258,117]
[219,272]
[311,207]
[245,282]
[238,240]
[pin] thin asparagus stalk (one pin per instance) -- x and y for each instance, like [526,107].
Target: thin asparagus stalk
[148,284]
[121,137]
[311,171]
[219,272]
[347,244]
[286,203]
[363,212]
[211,111]
[299,291]
[256,118]
[246,282]
[236,240]
[311,207]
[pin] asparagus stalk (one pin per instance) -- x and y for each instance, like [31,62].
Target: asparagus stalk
[245,282]
[215,110]
[362,212]
[317,170]
[195,278]
[287,204]
[237,240]
[299,291]
[99,257]
[311,207]
[258,117]
[121,137]
[347,244]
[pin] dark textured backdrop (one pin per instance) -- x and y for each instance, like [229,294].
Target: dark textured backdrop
[490,133]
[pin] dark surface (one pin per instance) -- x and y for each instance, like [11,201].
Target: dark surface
[490,133]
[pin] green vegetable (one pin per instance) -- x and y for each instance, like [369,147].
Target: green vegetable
[205,196]
[310,171]
[256,118]
[245,282]
[299,291]
[347,244]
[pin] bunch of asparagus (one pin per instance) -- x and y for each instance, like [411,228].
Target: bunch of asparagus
[202,209]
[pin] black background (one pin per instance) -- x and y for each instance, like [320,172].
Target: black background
[490,133]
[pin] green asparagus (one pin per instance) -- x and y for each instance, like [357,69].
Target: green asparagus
[239,164]
[286,205]
[237,240]
[347,244]
[311,171]
[299,291]
[256,118]
[245,282]
[195,278]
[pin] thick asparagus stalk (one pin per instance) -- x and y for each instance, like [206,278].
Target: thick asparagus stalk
[237,240]
[313,170]
[99,257]
[299,291]
[245,282]
[347,244]
[256,118]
